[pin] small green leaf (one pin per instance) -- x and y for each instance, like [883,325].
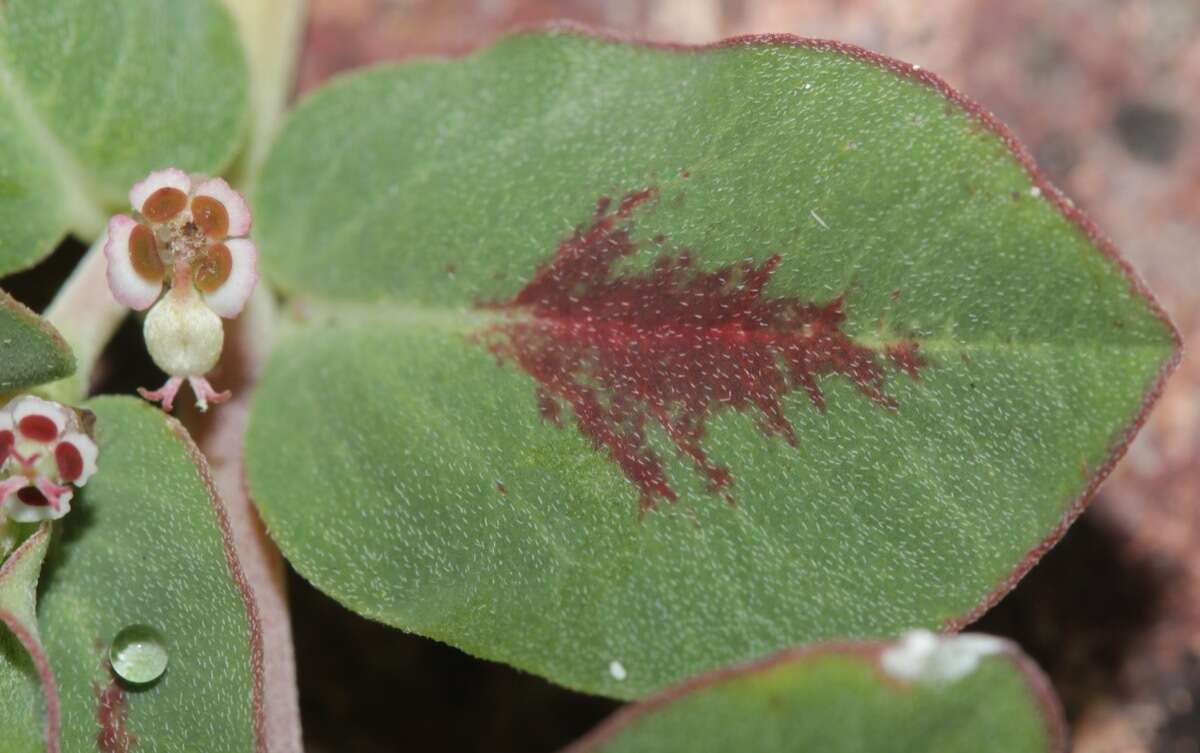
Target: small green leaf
[31,351]
[29,715]
[94,95]
[842,699]
[682,356]
[147,544]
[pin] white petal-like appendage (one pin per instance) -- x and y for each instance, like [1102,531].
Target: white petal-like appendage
[169,178]
[31,414]
[8,439]
[23,513]
[922,656]
[228,300]
[127,286]
[235,204]
[86,454]
[8,493]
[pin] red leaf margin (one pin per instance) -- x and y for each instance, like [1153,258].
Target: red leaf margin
[237,573]
[870,651]
[220,437]
[33,645]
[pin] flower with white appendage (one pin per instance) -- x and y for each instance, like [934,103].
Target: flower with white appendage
[188,235]
[45,450]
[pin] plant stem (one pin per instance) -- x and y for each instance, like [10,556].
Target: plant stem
[271,32]
[87,316]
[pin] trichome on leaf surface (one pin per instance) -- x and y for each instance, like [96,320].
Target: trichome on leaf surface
[685,376]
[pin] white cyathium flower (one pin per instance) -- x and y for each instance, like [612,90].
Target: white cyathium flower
[44,451]
[187,233]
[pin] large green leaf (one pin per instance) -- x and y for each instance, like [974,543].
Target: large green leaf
[542,291]
[31,351]
[148,545]
[94,95]
[845,699]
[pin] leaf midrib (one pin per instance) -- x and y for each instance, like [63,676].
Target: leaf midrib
[470,320]
[84,213]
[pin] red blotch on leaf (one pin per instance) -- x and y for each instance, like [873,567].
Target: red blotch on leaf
[112,713]
[7,440]
[905,357]
[672,346]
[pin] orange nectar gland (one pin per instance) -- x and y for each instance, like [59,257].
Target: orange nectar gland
[187,237]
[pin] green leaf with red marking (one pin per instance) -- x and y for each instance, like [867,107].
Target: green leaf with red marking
[678,357]
[94,95]
[145,544]
[847,698]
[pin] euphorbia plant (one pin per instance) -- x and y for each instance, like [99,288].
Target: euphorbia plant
[690,374]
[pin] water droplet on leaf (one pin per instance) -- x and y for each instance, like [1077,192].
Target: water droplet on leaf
[138,654]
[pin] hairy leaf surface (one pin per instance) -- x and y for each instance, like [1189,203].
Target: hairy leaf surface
[841,698]
[678,357]
[31,350]
[147,544]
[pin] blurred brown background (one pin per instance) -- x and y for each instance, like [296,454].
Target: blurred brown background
[1105,94]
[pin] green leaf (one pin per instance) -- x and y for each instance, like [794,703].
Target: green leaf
[812,296]
[147,543]
[31,350]
[93,96]
[29,714]
[842,699]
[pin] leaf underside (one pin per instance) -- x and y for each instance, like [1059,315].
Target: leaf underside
[677,357]
[146,545]
[93,96]
[838,699]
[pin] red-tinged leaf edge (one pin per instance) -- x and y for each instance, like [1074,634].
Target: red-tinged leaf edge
[1048,191]
[606,731]
[28,637]
[220,435]
[239,577]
